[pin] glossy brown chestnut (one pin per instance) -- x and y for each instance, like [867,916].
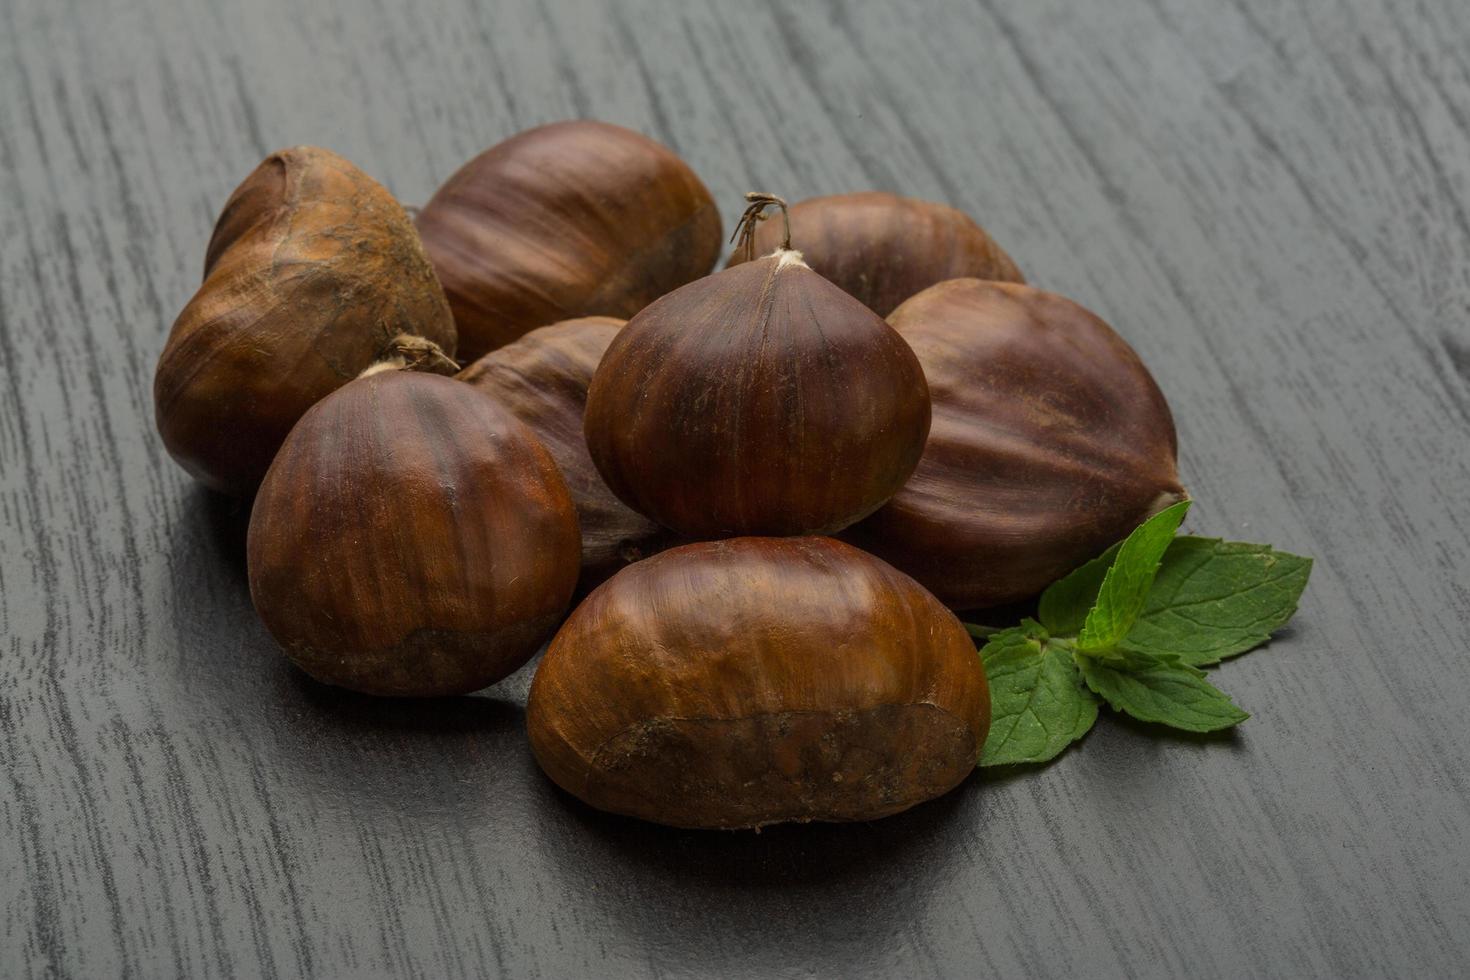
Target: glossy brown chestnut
[542,378]
[883,248]
[313,271]
[1050,442]
[754,681]
[411,538]
[759,400]
[567,220]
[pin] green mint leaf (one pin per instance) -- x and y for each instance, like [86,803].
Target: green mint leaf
[1125,588]
[1214,599]
[1066,602]
[1161,689]
[1039,705]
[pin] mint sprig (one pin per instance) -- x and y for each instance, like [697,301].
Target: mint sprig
[1132,628]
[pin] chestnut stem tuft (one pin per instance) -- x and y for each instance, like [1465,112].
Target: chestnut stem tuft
[407,352]
[753,215]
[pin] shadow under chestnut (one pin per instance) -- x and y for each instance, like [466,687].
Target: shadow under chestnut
[860,885]
[332,746]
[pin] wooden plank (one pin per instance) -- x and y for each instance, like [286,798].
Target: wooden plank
[1271,202]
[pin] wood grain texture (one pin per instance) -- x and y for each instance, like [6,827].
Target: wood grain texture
[1270,201]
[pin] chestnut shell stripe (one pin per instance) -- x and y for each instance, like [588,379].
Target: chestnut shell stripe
[566,220]
[412,537]
[543,378]
[752,681]
[759,400]
[883,248]
[1050,441]
[313,268]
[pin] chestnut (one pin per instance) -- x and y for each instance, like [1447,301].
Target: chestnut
[759,400]
[313,273]
[566,220]
[751,681]
[411,538]
[883,248]
[1050,442]
[542,378]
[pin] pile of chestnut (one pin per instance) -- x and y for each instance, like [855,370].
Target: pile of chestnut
[768,486]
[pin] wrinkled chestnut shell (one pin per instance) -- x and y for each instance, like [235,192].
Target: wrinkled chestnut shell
[754,681]
[542,378]
[882,248]
[312,270]
[1050,442]
[411,538]
[566,220]
[759,400]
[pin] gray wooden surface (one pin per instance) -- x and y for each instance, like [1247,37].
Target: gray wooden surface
[1268,199]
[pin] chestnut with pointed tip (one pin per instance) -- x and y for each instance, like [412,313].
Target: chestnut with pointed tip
[542,378]
[753,681]
[571,219]
[1050,442]
[411,538]
[883,248]
[759,400]
[313,273]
